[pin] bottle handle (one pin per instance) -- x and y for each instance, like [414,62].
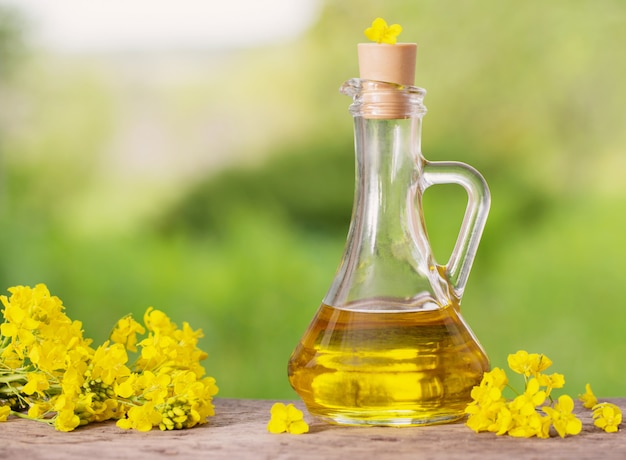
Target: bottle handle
[462,257]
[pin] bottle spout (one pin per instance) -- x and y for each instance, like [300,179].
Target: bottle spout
[383,100]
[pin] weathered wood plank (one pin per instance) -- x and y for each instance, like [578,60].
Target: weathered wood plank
[238,431]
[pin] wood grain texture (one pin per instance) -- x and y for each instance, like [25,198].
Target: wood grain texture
[238,431]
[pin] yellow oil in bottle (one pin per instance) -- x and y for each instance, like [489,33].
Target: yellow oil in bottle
[399,368]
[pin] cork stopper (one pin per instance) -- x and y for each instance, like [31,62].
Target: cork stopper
[391,64]
[388,63]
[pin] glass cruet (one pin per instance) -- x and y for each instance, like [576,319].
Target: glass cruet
[388,345]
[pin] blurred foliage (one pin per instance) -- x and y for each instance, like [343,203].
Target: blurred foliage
[311,186]
[530,93]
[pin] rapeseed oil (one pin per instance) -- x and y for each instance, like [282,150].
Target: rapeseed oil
[377,367]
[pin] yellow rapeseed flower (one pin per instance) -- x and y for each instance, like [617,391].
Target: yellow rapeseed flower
[551,381]
[141,418]
[607,416]
[37,383]
[287,418]
[153,387]
[19,324]
[125,332]
[529,425]
[503,420]
[562,418]
[158,322]
[5,411]
[380,32]
[486,416]
[588,398]
[527,402]
[109,363]
[39,409]
[528,364]
[66,419]
[125,388]
[487,406]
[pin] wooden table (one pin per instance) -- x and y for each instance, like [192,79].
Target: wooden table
[238,431]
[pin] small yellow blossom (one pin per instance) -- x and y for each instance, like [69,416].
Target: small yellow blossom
[528,364]
[5,411]
[126,389]
[588,398]
[607,416]
[527,426]
[562,418]
[527,402]
[551,381]
[504,420]
[37,383]
[125,332]
[154,387]
[287,419]
[487,417]
[158,322]
[66,419]
[141,418]
[109,363]
[39,409]
[380,32]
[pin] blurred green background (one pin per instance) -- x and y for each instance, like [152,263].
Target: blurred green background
[217,185]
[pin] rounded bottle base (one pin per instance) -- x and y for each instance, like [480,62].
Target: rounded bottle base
[387,369]
[395,419]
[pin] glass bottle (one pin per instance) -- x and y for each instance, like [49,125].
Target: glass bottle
[388,346]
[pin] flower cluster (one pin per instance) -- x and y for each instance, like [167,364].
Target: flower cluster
[287,419]
[533,412]
[49,372]
[380,32]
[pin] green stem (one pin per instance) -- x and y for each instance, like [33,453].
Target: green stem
[48,421]
[10,378]
[508,385]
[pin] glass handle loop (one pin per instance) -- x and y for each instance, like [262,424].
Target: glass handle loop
[478,203]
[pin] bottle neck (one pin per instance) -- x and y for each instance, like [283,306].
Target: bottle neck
[387,130]
[388,165]
[387,255]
